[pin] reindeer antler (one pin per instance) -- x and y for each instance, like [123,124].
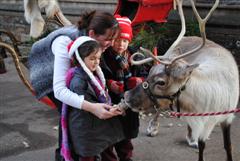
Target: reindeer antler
[183,24]
[139,62]
[202,27]
[157,58]
[146,60]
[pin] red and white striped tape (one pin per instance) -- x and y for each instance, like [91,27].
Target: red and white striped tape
[177,114]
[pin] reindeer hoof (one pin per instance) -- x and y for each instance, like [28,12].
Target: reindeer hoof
[192,143]
[153,128]
[152,133]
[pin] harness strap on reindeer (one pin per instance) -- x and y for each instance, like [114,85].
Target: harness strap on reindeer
[174,98]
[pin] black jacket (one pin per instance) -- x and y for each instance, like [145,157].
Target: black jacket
[90,135]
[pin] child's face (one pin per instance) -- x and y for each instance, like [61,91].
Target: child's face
[93,60]
[120,45]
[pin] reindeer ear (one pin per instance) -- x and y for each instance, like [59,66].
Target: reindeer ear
[181,72]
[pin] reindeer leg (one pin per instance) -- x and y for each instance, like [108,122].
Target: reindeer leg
[226,129]
[191,142]
[153,126]
[201,147]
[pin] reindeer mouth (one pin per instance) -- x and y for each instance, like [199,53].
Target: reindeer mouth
[126,105]
[135,110]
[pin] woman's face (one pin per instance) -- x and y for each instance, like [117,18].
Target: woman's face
[92,61]
[120,45]
[105,40]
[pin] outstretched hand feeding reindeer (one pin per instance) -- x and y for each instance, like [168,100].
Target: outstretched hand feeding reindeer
[197,75]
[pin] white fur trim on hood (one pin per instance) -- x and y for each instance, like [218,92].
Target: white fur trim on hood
[73,50]
[78,42]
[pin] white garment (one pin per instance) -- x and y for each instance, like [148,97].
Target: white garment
[61,65]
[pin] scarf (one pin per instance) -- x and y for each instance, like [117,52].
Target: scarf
[119,64]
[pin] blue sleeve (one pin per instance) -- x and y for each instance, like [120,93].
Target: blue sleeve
[78,85]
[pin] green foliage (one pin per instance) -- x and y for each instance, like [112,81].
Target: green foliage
[192,28]
[150,33]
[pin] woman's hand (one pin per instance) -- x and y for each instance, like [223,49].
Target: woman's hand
[101,110]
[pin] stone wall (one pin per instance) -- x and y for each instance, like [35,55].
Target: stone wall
[12,14]
[223,27]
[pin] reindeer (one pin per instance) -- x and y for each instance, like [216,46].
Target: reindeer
[32,12]
[195,75]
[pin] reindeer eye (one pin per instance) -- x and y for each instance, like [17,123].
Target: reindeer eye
[161,83]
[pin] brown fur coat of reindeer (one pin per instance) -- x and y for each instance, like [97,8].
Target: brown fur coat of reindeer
[32,12]
[204,73]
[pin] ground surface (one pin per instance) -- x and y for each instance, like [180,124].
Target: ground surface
[27,131]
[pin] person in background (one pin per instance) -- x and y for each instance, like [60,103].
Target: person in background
[88,134]
[49,61]
[120,76]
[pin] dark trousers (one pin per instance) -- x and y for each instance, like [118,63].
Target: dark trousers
[58,156]
[108,154]
[123,148]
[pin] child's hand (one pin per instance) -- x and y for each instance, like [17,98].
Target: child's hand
[115,86]
[121,110]
[117,111]
[103,111]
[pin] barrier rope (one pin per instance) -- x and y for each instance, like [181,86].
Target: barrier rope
[177,114]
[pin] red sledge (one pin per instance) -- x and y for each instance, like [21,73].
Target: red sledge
[140,11]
